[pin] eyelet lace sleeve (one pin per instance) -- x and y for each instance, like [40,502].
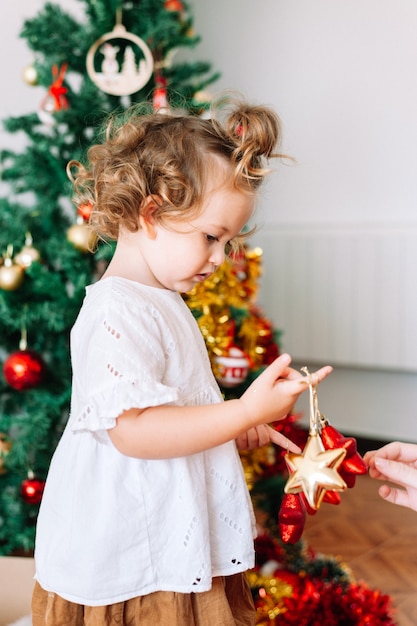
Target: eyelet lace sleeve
[119,362]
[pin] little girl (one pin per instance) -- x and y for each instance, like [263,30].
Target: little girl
[146,519]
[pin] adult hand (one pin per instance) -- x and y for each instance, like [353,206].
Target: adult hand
[396,462]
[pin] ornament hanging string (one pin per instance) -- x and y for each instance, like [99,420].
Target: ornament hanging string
[23,343]
[315,416]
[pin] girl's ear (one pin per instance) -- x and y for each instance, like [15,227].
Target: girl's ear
[147,220]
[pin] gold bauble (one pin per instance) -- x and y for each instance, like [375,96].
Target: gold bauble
[82,237]
[11,275]
[30,75]
[27,256]
[28,253]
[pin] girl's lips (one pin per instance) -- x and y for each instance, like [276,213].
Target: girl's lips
[201,277]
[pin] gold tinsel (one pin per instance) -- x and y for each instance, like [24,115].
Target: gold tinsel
[227,296]
[272,592]
[255,462]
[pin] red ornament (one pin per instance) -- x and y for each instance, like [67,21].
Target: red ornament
[57,92]
[291,518]
[174,5]
[332,497]
[31,489]
[233,367]
[160,98]
[353,464]
[24,369]
[84,210]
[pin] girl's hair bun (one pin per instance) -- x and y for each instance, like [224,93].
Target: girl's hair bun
[254,131]
[255,127]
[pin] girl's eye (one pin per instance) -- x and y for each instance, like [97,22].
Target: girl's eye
[211,238]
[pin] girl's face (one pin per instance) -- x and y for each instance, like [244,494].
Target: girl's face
[178,255]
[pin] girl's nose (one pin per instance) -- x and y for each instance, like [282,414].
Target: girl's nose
[218,255]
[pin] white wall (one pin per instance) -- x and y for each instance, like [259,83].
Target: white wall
[343,76]
[17,98]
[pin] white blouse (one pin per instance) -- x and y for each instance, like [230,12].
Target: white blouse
[112,527]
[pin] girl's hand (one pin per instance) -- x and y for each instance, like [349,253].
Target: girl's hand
[262,435]
[273,394]
[395,462]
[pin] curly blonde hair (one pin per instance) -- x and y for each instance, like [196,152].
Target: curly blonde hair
[168,157]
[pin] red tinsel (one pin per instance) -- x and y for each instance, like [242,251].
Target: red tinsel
[311,594]
[319,603]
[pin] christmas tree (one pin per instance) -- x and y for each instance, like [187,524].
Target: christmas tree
[120,54]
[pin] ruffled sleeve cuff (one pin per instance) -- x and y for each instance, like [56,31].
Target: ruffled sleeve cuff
[104,407]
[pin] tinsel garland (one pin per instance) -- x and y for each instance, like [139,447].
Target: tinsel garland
[225,310]
[299,588]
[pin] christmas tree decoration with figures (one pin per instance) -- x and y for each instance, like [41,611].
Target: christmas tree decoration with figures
[126,61]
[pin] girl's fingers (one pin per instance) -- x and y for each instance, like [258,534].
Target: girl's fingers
[278,368]
[315,378]
[262,435]
[281,440]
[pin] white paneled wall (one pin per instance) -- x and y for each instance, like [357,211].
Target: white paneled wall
[345,294]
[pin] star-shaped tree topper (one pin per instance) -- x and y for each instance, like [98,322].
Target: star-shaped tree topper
[315,471]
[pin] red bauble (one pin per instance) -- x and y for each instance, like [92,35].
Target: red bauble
[353,464]
[291,518]
[31,490]
[24,369]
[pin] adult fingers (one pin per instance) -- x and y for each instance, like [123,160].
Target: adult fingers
[398,451]
[397,472]
[396,496]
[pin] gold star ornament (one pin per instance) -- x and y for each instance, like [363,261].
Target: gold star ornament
[315,471]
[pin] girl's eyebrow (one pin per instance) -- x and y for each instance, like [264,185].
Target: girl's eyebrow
[217,227]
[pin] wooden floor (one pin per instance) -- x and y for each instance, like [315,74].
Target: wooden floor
[377,540]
